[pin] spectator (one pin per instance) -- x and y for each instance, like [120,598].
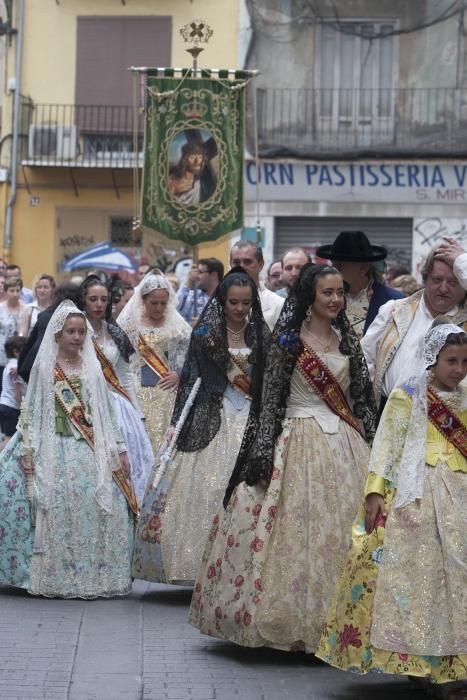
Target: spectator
[292,262]
[143,270]
[249,255]
[11,313]
[174,281]
[14,272]
[395,271]
[406,284]
[392,341]
[2,287]
[274,276]
[43,294]
[201,284]
[121,295]
[355,258]
[13,388]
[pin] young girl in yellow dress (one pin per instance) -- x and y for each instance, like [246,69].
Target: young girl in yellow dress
[400,606]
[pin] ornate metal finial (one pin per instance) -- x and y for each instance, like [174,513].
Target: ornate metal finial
[196,32]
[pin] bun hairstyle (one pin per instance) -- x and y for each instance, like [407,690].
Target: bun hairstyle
[86,284]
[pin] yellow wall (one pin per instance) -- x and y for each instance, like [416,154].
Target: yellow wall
[50,38]
[49,62]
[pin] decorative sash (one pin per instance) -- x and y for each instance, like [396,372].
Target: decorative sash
[75,410]
[109,372]
[238,378]
[320,377]
[152,359]
[447,422]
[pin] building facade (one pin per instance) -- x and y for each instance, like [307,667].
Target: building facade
[362,122]
[77,147]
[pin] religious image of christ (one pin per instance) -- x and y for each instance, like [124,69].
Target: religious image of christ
[193,166]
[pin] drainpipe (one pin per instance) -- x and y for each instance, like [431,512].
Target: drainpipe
[7,236]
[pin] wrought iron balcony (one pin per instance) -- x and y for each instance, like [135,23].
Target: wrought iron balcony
[81,136]
[343,123]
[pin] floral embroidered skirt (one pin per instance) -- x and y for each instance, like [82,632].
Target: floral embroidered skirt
[176,516]
[274,556]
[400,606]
[86,553]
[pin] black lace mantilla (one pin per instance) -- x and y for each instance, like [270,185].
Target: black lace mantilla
[255,459]
[121,340]
[208,357]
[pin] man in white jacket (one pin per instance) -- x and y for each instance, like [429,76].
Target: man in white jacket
[391,342]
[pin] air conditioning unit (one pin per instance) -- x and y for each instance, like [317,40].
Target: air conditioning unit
[52,142]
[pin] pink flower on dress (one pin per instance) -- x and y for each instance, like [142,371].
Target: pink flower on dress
[258,584]
[272,510]
[268,527]
[246,618]
[275,473]
[230,541]
[257,545]
[219,563]
[255,599]
[218,612]
[238,617]
[350,636]
[403,657]
[197,587]
[257,509]
[216,520]
[211,571]
[295,586]
[239,581]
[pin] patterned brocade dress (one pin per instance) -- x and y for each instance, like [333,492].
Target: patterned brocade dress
[273,556]
[176,516]
[400,605]
[157,404]
[85,552]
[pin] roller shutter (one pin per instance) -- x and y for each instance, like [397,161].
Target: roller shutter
[310,232]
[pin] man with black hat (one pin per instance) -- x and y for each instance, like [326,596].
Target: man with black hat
[355,257]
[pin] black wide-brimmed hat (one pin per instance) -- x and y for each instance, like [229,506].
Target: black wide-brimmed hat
[352,246]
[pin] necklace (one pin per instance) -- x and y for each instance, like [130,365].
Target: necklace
[236,336]
[327,345]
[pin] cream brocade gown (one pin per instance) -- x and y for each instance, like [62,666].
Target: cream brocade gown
[273,556]
[176,515]
[156,404]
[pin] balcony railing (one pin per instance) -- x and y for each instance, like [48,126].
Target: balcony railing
[341,123]
[81,136]
[296,122]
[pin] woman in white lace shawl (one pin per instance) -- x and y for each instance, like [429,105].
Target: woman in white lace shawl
[160,337]
[401,604]
[66,529]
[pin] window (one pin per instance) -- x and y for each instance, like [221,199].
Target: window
[356,76]
[121,232]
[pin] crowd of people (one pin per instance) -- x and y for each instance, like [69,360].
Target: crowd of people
[295,449]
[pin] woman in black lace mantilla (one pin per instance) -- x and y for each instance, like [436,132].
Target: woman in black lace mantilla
[274,554]
[227,351]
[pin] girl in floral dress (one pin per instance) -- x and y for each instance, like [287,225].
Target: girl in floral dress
[274,555]
[227,353]
[400,606]
[66,529]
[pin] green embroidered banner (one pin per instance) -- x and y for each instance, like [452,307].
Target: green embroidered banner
[192,186]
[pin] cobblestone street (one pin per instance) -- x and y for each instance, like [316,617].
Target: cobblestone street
[141,648]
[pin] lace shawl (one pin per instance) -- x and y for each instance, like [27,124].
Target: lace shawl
[255,459]
[208,357]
